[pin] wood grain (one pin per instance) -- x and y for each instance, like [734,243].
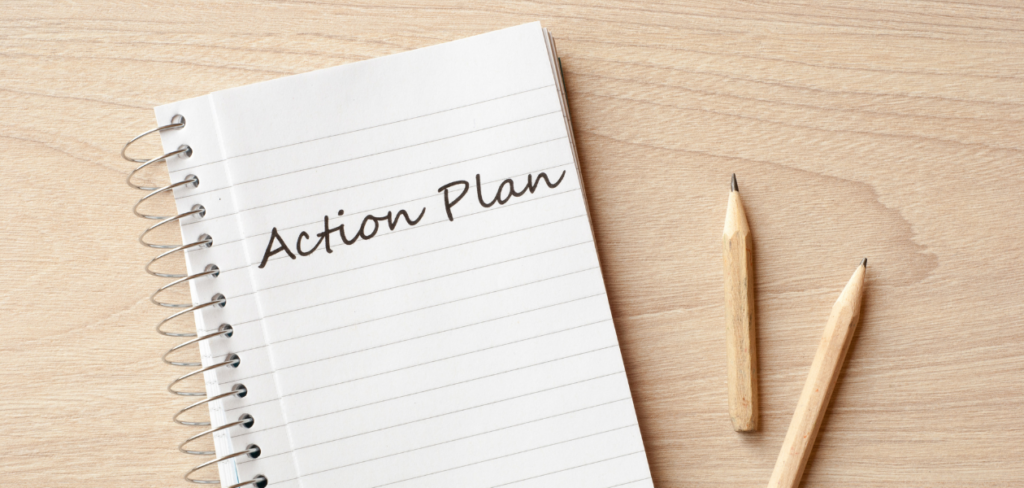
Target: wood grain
[868,128]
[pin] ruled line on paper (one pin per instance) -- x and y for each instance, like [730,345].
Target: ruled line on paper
[439,304]
[525,451]
[366,128]
[418,392]
[419,282]
[443,331]
[461,410]
[466,353]
[575,467]
[549,361]
[236,185]
[464,326]
[283,368]
[409,284]
[477,434]
[629,482]
[590,407]
[494,319]
[536,448]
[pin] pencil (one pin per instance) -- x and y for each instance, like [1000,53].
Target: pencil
[741,347]
[810,410]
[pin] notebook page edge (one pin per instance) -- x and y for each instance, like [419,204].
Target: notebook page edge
[558,73]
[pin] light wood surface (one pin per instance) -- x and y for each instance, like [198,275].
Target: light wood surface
[869,128]
[740,314]
[820,384]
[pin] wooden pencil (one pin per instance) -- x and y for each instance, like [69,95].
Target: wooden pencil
[741,347]
[817,392]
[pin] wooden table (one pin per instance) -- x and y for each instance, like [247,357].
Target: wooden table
[870,128]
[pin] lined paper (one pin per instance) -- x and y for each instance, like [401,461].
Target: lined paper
[476,350]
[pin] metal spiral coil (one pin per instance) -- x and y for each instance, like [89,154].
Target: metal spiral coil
[212,271]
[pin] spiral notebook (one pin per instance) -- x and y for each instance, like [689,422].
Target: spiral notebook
[394,278]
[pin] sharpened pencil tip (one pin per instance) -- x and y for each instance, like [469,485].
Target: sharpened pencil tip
[734,186]
[864,263]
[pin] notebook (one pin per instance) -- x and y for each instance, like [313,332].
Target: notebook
[394,278]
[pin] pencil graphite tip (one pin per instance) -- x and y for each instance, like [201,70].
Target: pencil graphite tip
[864,263]
[734,186]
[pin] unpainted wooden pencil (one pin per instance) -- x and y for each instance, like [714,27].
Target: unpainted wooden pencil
[741,346]
[817,392]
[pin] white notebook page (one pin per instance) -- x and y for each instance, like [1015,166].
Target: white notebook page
[451,337]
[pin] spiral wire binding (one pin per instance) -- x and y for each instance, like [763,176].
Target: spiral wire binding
[225,330]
